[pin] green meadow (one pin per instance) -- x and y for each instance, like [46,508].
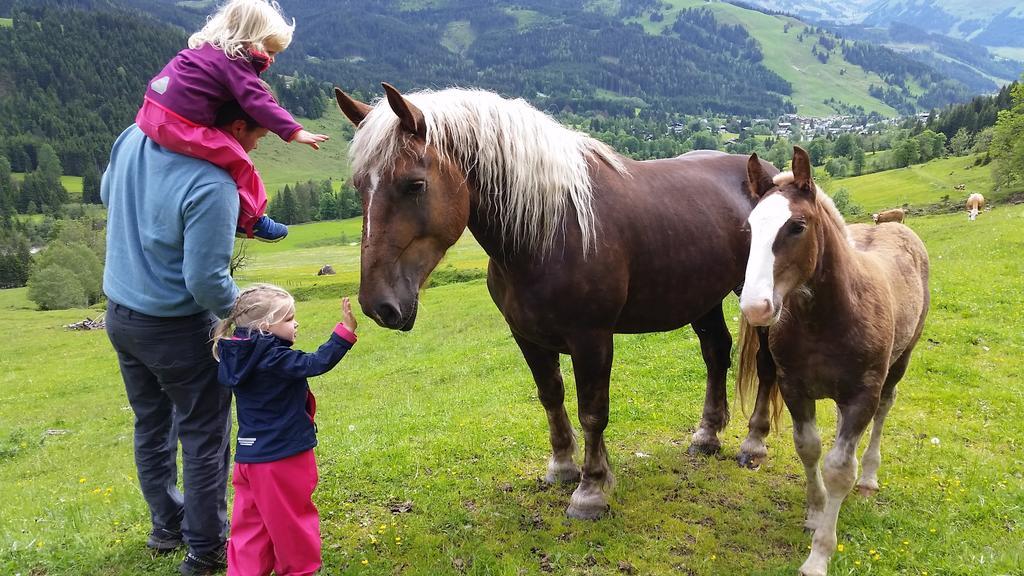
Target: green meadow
[921,184]
[73,184]
[445,418]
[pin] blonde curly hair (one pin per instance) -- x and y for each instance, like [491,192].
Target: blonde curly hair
[256,308]
[240,25]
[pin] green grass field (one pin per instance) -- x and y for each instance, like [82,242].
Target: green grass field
[73,184]
[445,416]
[920,184]
[6,22]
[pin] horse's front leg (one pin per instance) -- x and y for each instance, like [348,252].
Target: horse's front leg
[840,472]
[753,450]
[592,365]
[715,347]
[544,365]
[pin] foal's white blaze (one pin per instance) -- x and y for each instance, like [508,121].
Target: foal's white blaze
[974,213]
[758,298]
[374,181]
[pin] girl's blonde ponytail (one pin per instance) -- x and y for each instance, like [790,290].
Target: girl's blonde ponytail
[256,308]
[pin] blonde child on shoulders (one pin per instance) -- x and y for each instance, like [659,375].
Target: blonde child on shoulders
[223,62]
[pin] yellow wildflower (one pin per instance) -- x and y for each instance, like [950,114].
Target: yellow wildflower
[840,547]
[365,561]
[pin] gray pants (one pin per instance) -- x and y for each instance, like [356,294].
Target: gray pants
[171,380]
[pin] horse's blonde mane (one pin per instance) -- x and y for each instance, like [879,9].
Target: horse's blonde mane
[528,167]
[823,200]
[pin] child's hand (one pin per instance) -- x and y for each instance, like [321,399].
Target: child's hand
[347,318]
[314,140]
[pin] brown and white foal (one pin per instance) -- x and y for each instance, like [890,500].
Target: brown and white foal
[844,306]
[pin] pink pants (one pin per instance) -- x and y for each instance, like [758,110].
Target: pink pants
[214,145]
[274,524]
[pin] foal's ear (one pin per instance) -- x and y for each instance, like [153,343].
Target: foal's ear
[802,170]
[410,116]
[353,109]
[757,181]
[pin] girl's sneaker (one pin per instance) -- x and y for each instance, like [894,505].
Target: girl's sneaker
[265,230]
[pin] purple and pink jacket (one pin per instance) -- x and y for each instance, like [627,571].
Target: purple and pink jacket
[197,82]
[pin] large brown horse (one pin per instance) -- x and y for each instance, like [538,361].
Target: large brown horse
[845,306]
[583,244]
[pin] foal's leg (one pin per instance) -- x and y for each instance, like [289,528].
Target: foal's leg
[716,347]
[868,483]
[592,365]
[840,471]
[808,447]
[544,365]
[753,450]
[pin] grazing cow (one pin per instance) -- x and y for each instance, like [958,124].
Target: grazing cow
[975,203]
[894,215]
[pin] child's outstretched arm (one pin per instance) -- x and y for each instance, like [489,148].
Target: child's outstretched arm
[289,363]
[314,140]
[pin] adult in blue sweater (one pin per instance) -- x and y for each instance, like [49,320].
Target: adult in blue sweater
[170,234]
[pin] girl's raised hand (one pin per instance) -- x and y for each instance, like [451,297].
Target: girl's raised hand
[347,318]
[314,140]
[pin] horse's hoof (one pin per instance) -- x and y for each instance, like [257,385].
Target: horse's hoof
[562,474]
[585,512]
[750,461]
[806,570]
[867,491]
[703,449]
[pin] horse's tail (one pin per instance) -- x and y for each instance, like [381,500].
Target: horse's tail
[747,382]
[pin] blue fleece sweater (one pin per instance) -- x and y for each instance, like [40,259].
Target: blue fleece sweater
[170,230]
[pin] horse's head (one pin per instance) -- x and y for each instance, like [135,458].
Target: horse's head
[415,204]
[785,237]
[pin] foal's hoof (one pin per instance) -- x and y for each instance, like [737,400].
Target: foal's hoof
[750,461]
[867,491]
[703,449]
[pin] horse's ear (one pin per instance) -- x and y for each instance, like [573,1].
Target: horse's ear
[802,170]
[757,181]
[353,109]
[410,116]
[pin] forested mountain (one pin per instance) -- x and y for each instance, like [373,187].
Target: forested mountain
[633,59]
[61,86]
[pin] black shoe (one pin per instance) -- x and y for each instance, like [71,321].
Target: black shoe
[163,541]
[211,562]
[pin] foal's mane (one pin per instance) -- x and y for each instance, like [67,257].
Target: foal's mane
[528,167]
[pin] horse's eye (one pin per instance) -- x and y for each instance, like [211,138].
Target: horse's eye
[416,187]
[796,228]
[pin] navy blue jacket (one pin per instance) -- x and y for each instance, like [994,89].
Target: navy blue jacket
[275,407]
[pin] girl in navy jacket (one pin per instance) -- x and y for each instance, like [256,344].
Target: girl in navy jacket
[274,524]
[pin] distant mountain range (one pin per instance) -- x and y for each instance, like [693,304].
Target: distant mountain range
[993,23]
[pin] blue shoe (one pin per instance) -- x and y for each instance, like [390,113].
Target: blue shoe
[266,230]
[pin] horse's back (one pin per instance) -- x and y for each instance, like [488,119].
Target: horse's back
[899,256]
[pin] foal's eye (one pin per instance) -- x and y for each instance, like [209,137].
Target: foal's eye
[416,187]
[797,228]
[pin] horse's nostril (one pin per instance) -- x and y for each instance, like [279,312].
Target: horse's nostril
[387,314]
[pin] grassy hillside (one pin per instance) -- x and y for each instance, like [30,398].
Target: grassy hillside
[920,184]
[445,416]
[6,22]
[73,184]
[280,163]
[813,82]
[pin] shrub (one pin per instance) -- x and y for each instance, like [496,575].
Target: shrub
[56,288]
[81,262]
